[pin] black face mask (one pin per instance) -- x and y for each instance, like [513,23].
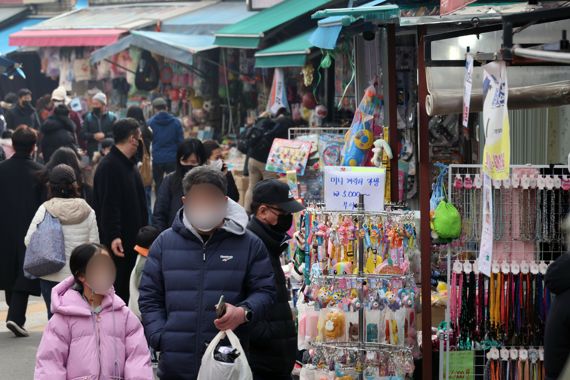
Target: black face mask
[186,168]
[284,223]
[27,104]
[96,111]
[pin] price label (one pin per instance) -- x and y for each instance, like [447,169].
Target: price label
[515,181]
[515,268]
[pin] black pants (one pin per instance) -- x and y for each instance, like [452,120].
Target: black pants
[17,305]
[124,267]
[46,287]
[159,171]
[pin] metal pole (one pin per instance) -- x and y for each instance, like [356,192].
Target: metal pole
[424,182]
[361,273]
[392,107]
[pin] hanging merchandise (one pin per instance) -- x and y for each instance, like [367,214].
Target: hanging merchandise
[360,315]
[286,155]
[445,219]
[147,76]
[307,73]
[360,137]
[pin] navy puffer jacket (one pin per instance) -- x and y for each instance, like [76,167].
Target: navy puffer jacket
[182,282]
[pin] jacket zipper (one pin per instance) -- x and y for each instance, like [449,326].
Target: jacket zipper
[98,341]
[199,320]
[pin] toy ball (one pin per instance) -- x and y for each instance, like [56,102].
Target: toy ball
[208,105]
[309,101]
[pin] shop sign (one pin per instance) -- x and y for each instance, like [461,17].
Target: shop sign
[343,186]
[497,151]
[461,365]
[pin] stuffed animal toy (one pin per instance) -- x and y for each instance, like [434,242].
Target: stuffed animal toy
[380,146]
[343,268]
[353,332]
[334,325]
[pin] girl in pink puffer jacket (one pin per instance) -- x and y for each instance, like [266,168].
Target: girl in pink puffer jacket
[92,334]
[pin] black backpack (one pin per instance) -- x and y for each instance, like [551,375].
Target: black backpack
[147,75]
[253,137]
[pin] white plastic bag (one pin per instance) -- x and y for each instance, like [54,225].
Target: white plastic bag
[212,369]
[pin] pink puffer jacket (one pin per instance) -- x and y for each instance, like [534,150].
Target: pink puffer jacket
[80,345]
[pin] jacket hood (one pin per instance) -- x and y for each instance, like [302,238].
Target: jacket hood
[163,118]
[234,223]
[68,211]
[66,300]
[557,278]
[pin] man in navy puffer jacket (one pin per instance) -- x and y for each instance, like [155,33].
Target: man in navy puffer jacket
[207,253]
[167,134]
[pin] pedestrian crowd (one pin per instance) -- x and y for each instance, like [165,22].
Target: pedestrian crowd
[127,281]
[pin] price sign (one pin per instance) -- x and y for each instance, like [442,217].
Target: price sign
[343,186]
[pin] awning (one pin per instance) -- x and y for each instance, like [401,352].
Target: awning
[247,34]
[9,15]
[5,47]
[290,53]
[178,47]
[326,35]
[66,37]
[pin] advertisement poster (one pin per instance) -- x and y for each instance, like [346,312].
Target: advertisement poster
[497,151]
[486,245]
[461,365]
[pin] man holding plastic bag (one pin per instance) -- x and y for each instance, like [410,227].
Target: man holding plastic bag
[206,254]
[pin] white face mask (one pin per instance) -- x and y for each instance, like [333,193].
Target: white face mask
[217,164]
[206,219]
[101,284]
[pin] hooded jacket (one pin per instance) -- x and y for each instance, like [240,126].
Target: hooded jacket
[77,344]
[557,333]
[78,223]
[93,124]
[273,341]
[183,280]
[57,131]
[167,134]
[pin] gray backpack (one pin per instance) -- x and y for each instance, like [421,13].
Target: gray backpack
[45,254]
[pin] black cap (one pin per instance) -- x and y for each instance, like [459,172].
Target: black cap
[62,174]
[146,236]
[277,193]
[107,143]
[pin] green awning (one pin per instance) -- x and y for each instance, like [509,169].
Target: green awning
[247,34]
[290,53]
[382,13]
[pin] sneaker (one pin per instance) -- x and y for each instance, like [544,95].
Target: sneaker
[19,331]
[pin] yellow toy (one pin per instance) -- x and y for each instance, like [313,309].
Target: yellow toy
[334,325]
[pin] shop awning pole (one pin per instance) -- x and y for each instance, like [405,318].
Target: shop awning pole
[393,110]
[542,55]
[425,190]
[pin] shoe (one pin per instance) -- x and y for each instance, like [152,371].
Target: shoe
[19,331]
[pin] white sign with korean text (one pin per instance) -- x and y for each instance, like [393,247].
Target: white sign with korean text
[343,186]
[467,86]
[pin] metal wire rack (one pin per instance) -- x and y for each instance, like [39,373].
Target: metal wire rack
[305,131]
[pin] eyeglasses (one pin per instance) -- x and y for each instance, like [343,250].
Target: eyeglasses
[278,210]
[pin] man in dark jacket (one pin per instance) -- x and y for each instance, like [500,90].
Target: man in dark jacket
[273,343]
[57,131]
[20,197]
[557,333]
[277,128]
[167,133]
[97,124]
[119,201]
[24,113]
[206,254]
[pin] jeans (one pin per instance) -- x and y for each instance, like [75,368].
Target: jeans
[159,171]
[17,306]
[148,194]
[257,173]
[46,287]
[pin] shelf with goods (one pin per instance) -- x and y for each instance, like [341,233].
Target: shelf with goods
[357,317]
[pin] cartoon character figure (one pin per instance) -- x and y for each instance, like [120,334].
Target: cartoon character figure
[334,325]
[343,268]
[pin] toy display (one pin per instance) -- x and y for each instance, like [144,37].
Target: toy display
[288,155]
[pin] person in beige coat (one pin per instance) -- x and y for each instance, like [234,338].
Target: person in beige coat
[77,219]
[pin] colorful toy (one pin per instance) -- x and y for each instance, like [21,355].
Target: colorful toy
[334,325]
[343,268]
[380,147]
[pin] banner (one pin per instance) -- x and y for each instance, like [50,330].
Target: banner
[487,237]
[467,86]
[497,151]
[278,95]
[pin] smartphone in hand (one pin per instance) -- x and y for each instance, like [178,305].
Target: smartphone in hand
[221,307]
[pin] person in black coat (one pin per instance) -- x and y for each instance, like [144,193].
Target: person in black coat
[57,131]
[190,154]
[273,344]
[20,197]
[119,201]
[97,124]
[557,332]
[23,113]
[215,160]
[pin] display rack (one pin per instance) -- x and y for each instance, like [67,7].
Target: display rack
[376,350]
[305,131]
[528,210]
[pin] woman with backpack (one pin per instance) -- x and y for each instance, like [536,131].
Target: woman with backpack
[93,334]
[76,217]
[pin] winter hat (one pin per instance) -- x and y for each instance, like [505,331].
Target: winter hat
[100,97]
[60,95]
[107,143]
[62,174]
[146,236]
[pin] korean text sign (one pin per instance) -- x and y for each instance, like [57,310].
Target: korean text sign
[343,186]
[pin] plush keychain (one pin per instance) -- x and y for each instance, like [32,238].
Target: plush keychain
[380,146]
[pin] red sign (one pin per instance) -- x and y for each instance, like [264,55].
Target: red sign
[449,6]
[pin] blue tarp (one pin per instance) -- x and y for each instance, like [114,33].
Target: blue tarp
[326,35]
[5,48]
